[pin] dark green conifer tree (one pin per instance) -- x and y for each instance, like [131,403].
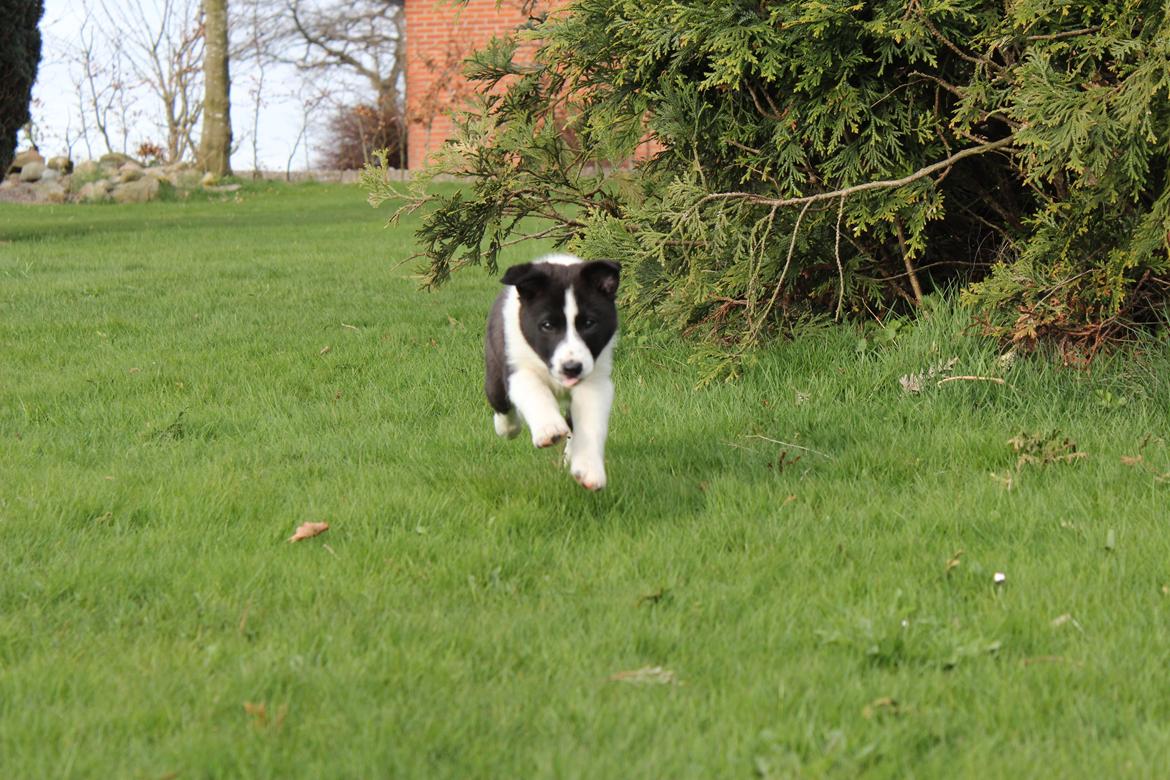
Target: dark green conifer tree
[20,53]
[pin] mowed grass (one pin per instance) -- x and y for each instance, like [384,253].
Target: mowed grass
[182,384]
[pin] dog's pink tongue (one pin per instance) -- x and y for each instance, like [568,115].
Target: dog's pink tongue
[570,381]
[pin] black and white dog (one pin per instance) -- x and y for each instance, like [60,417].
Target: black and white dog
[551,333]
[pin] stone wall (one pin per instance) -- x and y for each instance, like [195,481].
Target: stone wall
[122,179]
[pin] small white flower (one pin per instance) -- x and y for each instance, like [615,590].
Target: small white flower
[999,578]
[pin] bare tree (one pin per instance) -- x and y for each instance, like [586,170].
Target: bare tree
[364,39]
[311,101]
[99,85]
[136,60]
[251,47]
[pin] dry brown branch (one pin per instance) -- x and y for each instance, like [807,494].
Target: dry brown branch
[884,184]
[1062,35]
[783,272]
[913,274]
[837,254]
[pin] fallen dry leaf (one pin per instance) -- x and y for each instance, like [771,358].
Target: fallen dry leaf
[884,704]
[258,711]
[308,531]
[653,675]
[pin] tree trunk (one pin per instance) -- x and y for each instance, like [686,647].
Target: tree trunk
[215,144]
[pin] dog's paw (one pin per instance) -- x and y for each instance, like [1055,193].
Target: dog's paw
[589,473]
[507,425]
[550,433]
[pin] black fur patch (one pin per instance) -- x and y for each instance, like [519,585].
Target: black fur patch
[495,383]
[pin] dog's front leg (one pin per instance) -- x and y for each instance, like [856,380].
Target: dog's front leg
[590,405]
[536,404]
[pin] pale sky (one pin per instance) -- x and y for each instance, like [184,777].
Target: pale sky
[56,114]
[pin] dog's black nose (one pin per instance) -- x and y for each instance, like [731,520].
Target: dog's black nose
[572,369]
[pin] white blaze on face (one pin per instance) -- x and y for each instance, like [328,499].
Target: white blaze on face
[573,348]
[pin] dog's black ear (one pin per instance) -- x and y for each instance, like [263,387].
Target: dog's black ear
[527,279]
[603,276]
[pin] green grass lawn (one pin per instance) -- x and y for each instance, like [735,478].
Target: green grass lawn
[182,384]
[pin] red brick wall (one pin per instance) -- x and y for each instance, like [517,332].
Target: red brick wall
[439,36]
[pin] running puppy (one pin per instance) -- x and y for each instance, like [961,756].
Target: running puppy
[551,334]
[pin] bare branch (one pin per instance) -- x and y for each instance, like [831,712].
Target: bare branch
[885,184]
[1067,34]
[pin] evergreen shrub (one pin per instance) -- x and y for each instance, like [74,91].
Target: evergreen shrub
[829,159]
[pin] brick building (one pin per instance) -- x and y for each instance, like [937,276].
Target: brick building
[439,36]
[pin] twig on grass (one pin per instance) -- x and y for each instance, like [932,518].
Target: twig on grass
[1050,659]
[788,444]
[995,379]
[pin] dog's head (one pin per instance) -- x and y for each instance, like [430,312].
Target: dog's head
[567,313]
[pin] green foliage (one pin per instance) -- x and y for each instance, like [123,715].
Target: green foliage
[20,53]
[816,158]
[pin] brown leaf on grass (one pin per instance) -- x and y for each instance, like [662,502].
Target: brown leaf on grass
[308,531]
[647,675]
[878,706]
[259,713]
[954,561]
[1131,460]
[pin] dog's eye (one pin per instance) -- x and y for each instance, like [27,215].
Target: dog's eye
[587,323]
[547,326]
